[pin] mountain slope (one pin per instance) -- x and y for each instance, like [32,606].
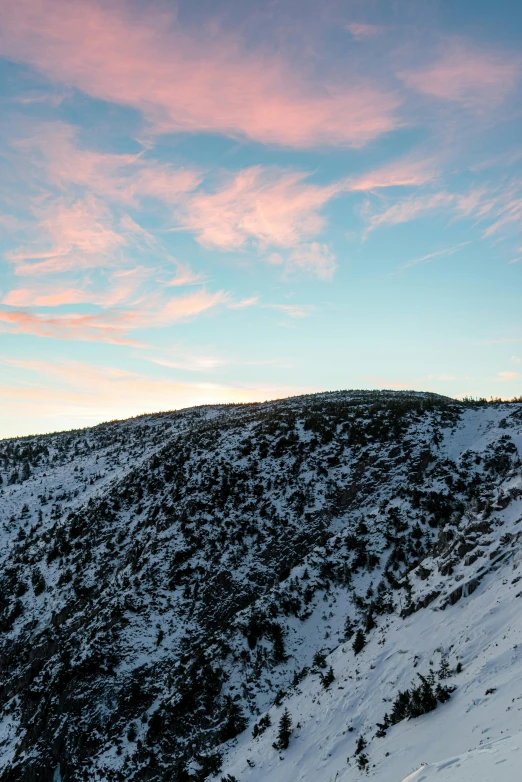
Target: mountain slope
[169,580]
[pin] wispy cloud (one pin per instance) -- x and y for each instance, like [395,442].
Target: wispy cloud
[180,81]
[361,30]
[464,74]
[251,301]
[408,209]
[497,207]
[80,235]
[55,156]
[181,307]
[190,363]
[293,310]
[270,207]
[120,287]
[315,258]
[406,172]
[185,276]
[430,256]
[106,327]
[503,377]
[111,325]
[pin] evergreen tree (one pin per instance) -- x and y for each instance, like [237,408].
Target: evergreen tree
[370,621]
[261,726]
[359,642]
[444,670]
[285,731]
[279,644]
[235,721]
[328,678]
[348,628]
[319,660]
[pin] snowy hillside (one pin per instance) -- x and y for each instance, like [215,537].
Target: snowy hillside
[175,583]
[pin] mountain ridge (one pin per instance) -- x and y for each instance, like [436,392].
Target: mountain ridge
[170,579]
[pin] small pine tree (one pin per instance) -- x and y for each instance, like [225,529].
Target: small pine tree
[285,730]
[362,761]
[444,671]
[320,660]
[261,726]
[370,621]
[279,644]
[348,628]
[359,642]
[328,678]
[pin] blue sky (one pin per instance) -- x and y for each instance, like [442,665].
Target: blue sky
[205,202]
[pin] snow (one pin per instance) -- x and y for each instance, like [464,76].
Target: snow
[483,632]
[497,761]
[472,613]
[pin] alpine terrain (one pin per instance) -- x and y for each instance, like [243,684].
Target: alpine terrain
[326,588]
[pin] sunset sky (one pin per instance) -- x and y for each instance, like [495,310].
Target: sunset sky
[225,201]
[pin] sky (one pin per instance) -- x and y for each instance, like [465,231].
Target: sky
[207,202]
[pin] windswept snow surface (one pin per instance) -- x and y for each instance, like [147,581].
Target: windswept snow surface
[484,632]
[492,762]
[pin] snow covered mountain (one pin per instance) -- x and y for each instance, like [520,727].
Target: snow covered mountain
[320,588]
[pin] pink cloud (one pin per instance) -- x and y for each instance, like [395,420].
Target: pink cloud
[122,287]
[90,328]
[244,303]
[409,209]
[475,78]
[260,206]
[181,82]
[110,325]
[32,297]
[472,203]
[402,173]
[314,258]
[507,213]
[360,31]
[267,206]
[123,178]
[505,376]
[78,235]
[501,206]
[185,276]
[183,307]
